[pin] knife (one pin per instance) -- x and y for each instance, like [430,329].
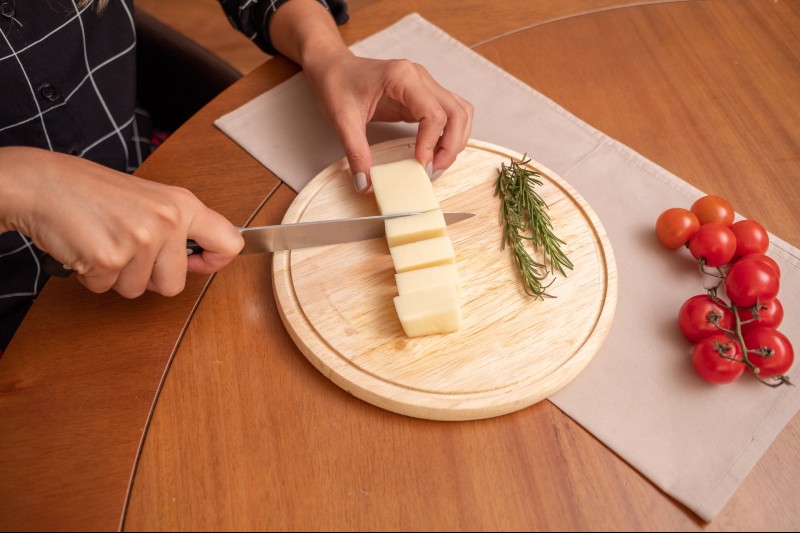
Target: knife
[290,236]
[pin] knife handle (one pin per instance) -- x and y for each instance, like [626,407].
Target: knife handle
[53,267]
[192,248]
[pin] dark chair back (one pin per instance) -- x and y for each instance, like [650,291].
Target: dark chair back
[176,76]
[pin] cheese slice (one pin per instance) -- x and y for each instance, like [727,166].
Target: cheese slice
[430,311]
[422,254]
[427,278]
[402,187]
[403,230]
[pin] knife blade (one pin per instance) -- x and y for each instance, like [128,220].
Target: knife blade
[281,237]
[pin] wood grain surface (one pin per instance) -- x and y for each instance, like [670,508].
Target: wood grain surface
[512,350]
[201,413]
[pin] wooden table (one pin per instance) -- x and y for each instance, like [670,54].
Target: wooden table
[199,413]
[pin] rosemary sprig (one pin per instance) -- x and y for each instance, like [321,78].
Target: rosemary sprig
[525,219]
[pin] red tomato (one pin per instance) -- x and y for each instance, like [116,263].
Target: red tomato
[713,242]
[778,353]
[751,237]
[713,209]
[696,318]
[750,282]
[674,227]
[764,259]
[711,358]
[770,314]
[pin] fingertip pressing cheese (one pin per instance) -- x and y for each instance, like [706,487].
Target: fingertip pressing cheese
[422,254]
[403,230]
[427,278]
[402,187]
[430,311]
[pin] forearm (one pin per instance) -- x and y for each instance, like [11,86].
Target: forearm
[17,187]
[305,32]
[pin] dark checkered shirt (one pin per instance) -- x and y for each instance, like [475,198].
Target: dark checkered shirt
[67,84]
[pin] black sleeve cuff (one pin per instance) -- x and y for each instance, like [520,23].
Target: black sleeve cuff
[265,10]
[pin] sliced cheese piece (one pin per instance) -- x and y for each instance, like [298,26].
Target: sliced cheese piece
[430,311]
[402,187]
[426,278]
[404,230]
[422,254]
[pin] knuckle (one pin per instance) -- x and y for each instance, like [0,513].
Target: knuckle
[437,116]
[466,109]
[399,73]
[108,260]
[402,68]
[169,213]
[143,237]
[171,290]
[131,292]
[168,278]
[95,284]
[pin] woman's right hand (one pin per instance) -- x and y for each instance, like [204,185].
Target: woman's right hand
[115,230]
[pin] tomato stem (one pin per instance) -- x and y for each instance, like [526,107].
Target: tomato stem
[771,381]
[703,268]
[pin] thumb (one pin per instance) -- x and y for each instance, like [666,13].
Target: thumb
[220,240]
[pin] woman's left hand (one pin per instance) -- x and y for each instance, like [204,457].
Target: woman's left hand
[354,91]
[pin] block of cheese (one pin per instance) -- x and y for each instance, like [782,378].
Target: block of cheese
[403,230]
[430,311]
[428,300]
[402,187]
[427,278]
[422,254]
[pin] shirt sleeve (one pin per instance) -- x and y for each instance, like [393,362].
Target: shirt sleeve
[251,17]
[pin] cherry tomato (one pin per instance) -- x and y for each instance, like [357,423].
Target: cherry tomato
[712,366]
[749,282]
[764,259]
[751,237]
[779,354]
[713,242]
[713,209]
[770,314]
[674,227]
[697,314]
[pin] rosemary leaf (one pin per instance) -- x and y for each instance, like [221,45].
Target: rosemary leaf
[526,220]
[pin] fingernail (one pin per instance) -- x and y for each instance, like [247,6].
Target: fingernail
[360,181]
[429,168]
[437,174]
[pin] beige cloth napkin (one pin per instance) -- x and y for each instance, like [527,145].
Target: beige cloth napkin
[638,395]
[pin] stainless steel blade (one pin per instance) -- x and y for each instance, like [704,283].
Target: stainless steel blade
[323,232]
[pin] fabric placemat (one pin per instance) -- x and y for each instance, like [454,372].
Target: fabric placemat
[639,396]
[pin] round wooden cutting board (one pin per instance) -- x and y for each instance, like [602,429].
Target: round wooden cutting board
[512,350]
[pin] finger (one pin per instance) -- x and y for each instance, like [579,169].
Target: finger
[220,240]
[431,125]
[352,132]
[457,126]
[99,282]
[455,136]
[100,273]
[406,84]
[433,108]
[168,276]
[134,277]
